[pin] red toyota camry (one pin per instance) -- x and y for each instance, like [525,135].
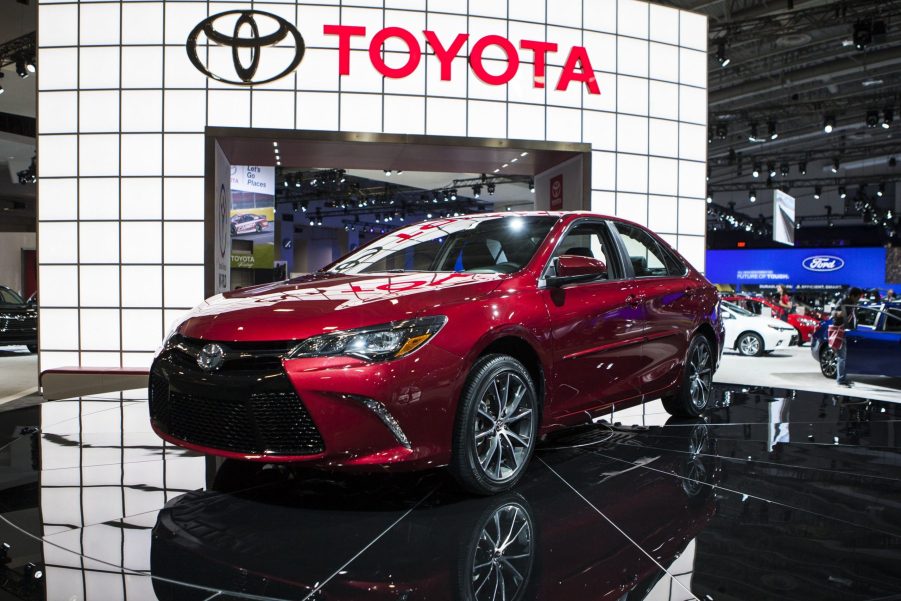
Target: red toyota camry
[457,342]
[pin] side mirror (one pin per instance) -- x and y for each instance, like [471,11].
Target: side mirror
[727,315]
[571,269]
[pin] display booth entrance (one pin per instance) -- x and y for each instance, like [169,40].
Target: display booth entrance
[283,202]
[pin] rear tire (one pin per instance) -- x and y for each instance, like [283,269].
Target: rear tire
[750,344]
[497,426]
[694,392]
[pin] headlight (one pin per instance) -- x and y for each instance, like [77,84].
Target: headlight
[377,343]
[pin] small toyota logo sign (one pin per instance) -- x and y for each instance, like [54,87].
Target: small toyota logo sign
[823,263]
[211,357]
[251,31]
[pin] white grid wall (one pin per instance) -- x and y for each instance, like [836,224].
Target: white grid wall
[121,115]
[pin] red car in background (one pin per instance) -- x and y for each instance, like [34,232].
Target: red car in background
[455,342]
[805,324]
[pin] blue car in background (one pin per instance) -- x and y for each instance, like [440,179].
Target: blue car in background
[874,346]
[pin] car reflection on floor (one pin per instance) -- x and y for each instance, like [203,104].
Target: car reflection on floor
[776,494]
[279,533]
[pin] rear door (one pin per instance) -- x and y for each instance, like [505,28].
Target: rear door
[874,346]
[666,297]
[596,333]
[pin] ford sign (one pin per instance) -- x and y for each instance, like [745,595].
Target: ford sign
[823,263]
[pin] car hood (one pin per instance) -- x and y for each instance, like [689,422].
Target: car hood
[321,302]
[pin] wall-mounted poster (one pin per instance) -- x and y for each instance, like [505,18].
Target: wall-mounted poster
[557,192]
[252,219]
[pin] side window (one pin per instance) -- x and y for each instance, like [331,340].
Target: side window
[867,316]
[588,239]
[648,259]
[893,320]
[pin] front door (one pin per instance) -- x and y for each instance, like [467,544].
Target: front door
[595,330]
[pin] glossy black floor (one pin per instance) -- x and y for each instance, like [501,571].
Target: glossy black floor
[774,494]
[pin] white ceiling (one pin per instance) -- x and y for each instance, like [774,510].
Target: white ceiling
[516,194]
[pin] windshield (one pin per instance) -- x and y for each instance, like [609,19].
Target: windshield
[736,309]
[8,297]
[472,244]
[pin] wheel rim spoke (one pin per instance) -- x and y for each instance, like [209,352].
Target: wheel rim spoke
[519,416]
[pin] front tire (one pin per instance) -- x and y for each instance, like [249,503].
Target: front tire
[694,393]
[750,344]
[497,426]
[828,361]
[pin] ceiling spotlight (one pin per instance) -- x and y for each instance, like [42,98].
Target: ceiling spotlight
[771,168]
[477,191]
[21,71]
[1,89]
[709,197]
[817,192]
[881,191]
[721,57]
[722,131]
[752,195]
[835,165]
[784,169]
[30,66]
[532,186]
[842,192]
[275,143]
[756,171]
[802,167]
[491,189]
[872,118]
[387,173]
[771,129]
[453,195]
[828,123]
[888,116]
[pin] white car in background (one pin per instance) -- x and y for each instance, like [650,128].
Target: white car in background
[752,335]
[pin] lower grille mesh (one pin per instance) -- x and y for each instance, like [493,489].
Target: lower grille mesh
[273,422]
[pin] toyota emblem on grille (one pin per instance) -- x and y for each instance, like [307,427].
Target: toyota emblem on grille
[211,357]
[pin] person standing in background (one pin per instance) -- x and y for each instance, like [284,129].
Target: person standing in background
[843,318]
[784,301]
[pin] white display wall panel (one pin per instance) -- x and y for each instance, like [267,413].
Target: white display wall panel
[122,113]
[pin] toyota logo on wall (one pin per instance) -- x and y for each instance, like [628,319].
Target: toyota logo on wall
[245,47]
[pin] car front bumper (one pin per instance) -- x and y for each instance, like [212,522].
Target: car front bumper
[335,412]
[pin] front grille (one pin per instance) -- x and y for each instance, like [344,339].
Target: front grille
[241,356]
[249,412]
[27,326]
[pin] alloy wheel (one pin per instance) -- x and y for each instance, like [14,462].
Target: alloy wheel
[700,375]
[504,426]
[695,472]
[749,345]
[503,555]
[828,362]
